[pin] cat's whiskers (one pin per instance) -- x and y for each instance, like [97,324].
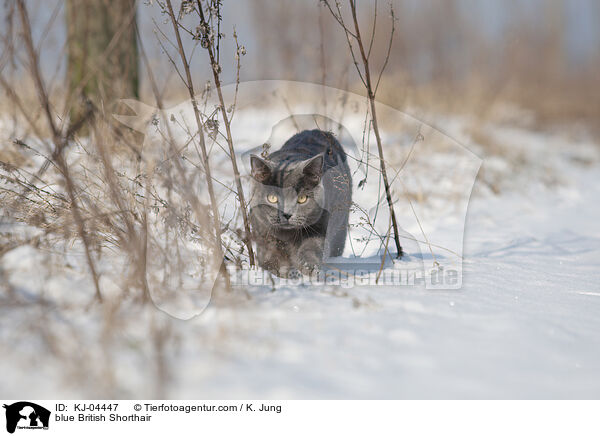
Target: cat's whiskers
[298,167]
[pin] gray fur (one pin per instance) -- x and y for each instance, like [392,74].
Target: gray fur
[291,236]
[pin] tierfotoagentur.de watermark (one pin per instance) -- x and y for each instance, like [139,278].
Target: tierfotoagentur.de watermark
[430,177]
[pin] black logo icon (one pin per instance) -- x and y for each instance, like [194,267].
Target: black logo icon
[26,415]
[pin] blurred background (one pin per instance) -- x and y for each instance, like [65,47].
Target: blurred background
[516,81]
[464,56]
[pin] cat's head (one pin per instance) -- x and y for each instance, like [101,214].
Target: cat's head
[289,195]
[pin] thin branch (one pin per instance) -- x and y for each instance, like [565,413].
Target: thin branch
[389,50]
[349,41]
[190,86]
[373,32]
[216,69]
[371,96]
[339,18]
[59,143]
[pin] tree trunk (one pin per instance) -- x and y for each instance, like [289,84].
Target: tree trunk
[102,53]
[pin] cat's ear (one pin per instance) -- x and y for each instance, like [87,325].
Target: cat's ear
[313,169]
[261,171]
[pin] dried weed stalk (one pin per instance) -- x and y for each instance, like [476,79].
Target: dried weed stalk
[354,38]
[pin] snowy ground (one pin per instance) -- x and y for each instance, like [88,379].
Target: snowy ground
[524,324]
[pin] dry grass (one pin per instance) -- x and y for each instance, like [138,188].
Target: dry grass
[133,208]
[444,60]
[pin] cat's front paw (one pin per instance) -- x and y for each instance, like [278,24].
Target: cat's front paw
[293,274]
[310,268]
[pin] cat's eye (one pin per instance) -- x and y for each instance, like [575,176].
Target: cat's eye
[272,198]
[302,198]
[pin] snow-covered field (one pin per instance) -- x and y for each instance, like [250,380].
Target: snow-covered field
[524,324]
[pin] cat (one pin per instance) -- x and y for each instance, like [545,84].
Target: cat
[300,203]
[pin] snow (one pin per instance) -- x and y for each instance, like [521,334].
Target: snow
[524,323]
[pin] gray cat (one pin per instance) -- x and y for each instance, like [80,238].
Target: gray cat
[300,203]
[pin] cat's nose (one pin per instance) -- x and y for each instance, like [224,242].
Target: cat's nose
[286,215]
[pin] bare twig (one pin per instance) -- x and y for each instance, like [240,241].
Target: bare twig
[371,91]
[216,69]
[190,86]
[60,142]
